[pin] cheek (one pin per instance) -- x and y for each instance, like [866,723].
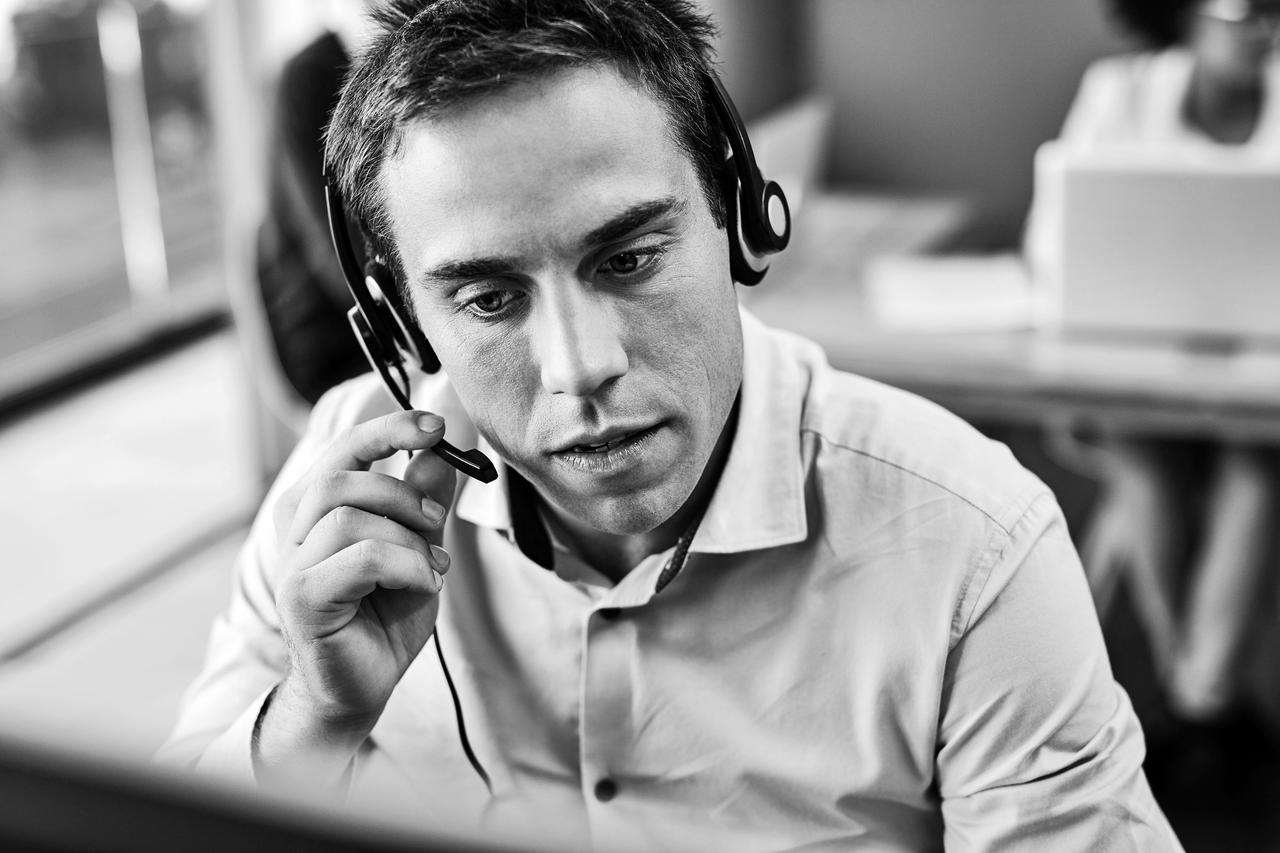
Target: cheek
[694,337]
[491,374]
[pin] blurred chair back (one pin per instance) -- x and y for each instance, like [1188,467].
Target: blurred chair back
[279,411]
[241,116]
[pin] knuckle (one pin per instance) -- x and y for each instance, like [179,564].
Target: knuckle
[367,554]
[345,519]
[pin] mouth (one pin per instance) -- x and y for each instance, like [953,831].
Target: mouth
[605,446]
[609,451]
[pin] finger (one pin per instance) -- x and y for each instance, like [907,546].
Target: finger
[327,594]
[379,494]
[355,450]
[435,478]
[347,526]
[367,442]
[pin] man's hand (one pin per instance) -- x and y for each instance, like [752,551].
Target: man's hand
[363,570]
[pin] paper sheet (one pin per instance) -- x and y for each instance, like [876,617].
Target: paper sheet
[951,292]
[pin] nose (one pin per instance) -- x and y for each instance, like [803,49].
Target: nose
[578,341]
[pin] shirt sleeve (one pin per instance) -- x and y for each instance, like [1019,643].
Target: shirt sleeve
[246,654]
[1039,747]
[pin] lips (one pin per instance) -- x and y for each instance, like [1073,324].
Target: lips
[603,446]
[614,453]
[604,440]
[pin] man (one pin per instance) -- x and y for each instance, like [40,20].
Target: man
[721,596]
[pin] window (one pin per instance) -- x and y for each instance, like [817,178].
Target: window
[111,223]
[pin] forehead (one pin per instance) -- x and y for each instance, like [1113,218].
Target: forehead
[537,157]
[1239,10]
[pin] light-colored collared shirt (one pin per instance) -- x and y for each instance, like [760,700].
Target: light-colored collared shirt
[882,640]
[1139,101]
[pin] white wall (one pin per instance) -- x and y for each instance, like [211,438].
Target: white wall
[759,49]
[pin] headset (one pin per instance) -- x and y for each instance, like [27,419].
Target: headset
[759,225]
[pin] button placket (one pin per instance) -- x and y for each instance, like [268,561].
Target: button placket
[605,702]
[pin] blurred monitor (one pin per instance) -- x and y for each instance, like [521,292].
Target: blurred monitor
[1187,247]
[52,800]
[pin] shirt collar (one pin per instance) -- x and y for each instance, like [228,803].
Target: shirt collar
[759,501]
[485,504]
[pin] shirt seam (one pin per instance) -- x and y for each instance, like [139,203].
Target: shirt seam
[981,568]
[917,475]
[984,568]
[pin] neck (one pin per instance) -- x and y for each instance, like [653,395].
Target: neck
[614,555]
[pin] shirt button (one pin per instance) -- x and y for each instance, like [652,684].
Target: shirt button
[610,614]
[606,790]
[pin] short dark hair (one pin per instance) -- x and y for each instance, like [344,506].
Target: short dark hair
[428,57]
[1159,23]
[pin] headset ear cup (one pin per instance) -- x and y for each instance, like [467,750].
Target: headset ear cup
[759,217]
[741,266]
[775,218]
[405,333]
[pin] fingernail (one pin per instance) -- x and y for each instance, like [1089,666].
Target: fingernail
[432,510]
[441,557]
[437,578]
[430,423]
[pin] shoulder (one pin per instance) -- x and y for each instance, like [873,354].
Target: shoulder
[1137,69]
[1116,70]
[1111,90]
[913,449]
[907,497]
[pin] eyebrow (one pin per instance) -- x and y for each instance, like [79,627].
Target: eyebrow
[632,219]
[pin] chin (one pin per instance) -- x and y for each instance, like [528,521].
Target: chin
[625,515]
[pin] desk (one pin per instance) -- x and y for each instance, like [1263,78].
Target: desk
[1144,386]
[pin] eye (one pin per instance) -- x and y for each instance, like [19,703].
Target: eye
[491,303]
[629,263]
[623,263]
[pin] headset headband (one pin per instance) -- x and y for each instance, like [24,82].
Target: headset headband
[759,225]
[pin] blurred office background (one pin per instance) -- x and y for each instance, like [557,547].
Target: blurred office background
[141,413]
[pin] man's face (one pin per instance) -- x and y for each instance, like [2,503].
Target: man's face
[562,260]
[1233,38]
